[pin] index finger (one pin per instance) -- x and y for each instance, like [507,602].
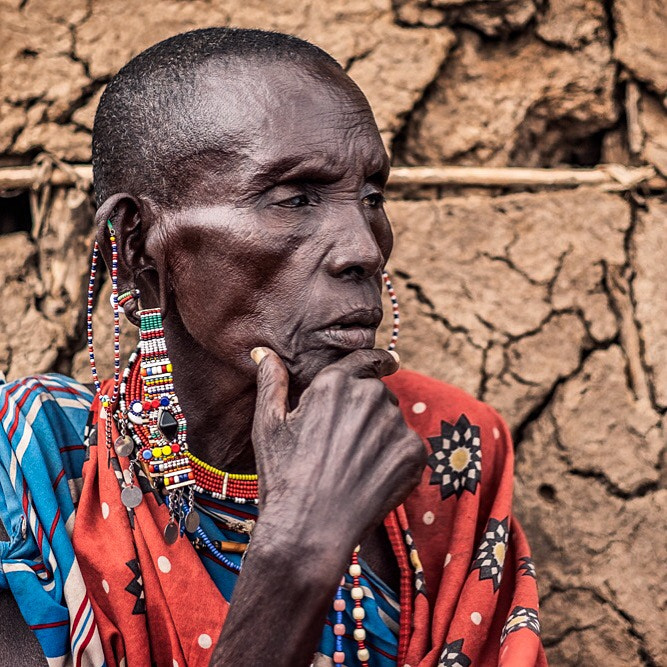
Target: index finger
[368,363]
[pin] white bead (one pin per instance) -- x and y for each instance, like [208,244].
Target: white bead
[355,570]
[357,592]
[363,655]
[359,634]
[358,613]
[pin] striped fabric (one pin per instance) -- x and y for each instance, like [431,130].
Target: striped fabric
[42,420]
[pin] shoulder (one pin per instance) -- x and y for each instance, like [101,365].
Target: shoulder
[48,386]
[427,402]
[43,417]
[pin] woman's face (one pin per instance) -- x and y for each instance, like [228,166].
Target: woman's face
[287,241]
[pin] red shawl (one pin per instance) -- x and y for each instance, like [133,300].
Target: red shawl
[468,590]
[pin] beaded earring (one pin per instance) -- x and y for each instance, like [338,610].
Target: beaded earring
[105,400]
[158,426]
[396,323]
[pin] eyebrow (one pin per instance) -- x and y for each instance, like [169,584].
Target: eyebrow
[314,167]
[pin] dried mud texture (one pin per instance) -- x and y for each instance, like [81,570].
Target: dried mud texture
[49,88]
[550,306]
[501,103]
[640,42]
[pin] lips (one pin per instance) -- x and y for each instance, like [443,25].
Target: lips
[354,330]
[366,317]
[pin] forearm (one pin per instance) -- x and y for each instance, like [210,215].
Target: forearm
[280,601]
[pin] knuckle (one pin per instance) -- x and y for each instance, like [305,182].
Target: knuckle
[330,377]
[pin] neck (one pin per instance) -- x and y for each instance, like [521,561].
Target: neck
[217,400]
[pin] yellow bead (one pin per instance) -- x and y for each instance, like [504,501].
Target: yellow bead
[363,655]
[355,570]
[358,613]
[357,592]
[359,634]
[169,368]
[166,450]
[156,452]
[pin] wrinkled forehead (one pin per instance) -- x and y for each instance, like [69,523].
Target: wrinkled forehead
[270,118]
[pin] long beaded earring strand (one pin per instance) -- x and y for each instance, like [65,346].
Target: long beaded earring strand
[105,400]
[396,324]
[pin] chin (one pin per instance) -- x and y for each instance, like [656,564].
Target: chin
[305,367]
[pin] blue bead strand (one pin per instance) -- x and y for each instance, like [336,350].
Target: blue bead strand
[339,619]
[220,556]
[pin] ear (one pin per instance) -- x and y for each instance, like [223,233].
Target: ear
[131,219]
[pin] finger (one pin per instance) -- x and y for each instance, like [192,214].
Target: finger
[368,363]
[392,397]
[272,384]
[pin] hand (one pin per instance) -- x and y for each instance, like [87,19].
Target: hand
[334,467]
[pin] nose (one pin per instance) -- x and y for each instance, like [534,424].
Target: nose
[355,253]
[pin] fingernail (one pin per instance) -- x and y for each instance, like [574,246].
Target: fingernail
[258,353]
[395,355]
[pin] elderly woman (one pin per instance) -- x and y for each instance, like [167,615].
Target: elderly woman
[257,448]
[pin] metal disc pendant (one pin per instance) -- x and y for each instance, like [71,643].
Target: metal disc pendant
[123,445]
[131,496]
[192,521]
[171,532]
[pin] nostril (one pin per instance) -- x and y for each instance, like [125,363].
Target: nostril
[357,272]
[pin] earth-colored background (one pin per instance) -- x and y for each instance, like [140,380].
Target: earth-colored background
[549,304]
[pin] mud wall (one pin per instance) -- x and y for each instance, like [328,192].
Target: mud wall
[550,304]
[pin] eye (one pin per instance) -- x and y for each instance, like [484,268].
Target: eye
[295,202]
[374,200]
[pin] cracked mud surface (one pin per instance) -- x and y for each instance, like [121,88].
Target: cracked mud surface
[549,305]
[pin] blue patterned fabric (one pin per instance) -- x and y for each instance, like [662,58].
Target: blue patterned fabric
[42,421]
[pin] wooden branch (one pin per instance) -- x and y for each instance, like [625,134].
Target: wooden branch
[24,178]
[608,177]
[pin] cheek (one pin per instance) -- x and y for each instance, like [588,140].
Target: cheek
[221,283]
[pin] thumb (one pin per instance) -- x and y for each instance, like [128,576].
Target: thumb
[272,385]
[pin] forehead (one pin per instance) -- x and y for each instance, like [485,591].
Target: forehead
[272,119]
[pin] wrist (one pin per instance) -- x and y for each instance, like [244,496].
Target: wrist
[293,546]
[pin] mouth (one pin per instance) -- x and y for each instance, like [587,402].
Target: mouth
[354,330]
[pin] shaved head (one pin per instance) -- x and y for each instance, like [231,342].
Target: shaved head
[159,126]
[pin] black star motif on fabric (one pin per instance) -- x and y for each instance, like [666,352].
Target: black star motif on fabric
[521,617]
[528,567]
[456,458]
[453,656]
[491,552]
[136,587]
